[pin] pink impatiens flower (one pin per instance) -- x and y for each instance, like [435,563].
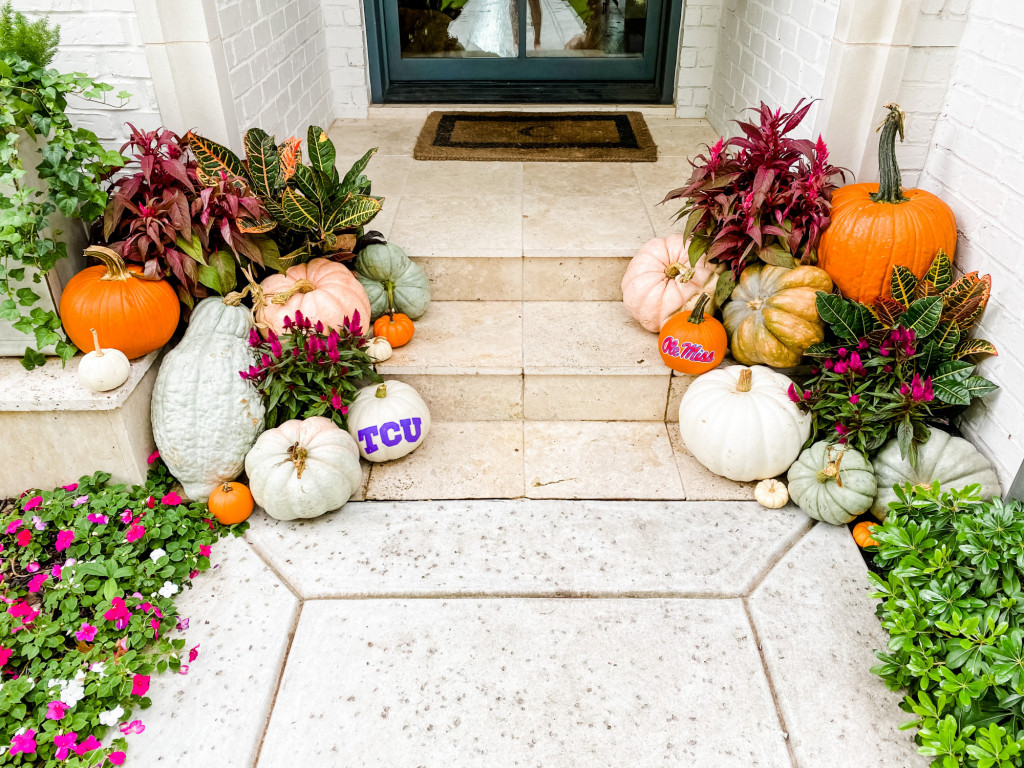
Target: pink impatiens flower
[38,523]
[193,653]
[140,684]
[32,503]
[86,633]
[205,550]
[24,743]
[64,539]
[80,501]
[36,582]
[150,502]
[854,399]
[23,538]
[96,517]
[56,710]
[135,533]
[12,526]
[126,516]
[171,499]
[70,488]
[64,743]
[5,655]
[33,567]
[134,727]
[119,613]
[153,457]
[155,624]
[116,758]
[182,624]
[88,744]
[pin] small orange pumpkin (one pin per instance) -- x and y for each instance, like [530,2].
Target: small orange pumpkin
[875,227]
[862,534]
[231,503]
[398,329]
[130,314]
[692,342]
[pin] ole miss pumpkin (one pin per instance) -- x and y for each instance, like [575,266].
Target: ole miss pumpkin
[692,342]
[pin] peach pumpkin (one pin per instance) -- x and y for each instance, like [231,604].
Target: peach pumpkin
[659,281]
[322,290]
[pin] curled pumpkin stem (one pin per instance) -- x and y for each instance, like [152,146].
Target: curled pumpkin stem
[832,467]
[298,456]
[299,286]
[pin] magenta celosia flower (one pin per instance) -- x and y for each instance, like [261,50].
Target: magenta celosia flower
[275,344]
[193,653]
[254,337]
[840,429]
[205,550]
[36,582]
[841,352]
[88,744]
[840,367]
[119,613]
[86,633]
[135,533]
[13,526]
[921,389]
[56,710]
[792,394]
[70,488]
[96,517]
[116,758]
[288,321]
[64,540]
[80,501]
[827,365]
[32,503]
[23,538]
[336,403]
[140,684]
[854,399]
[134,727]
[64,743]
[171,499]
[856,366]
[24,743]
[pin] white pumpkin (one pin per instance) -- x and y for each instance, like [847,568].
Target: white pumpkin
[953,461]
[378,349]
[388,420]
[103,369]
[205,416]
[740,423]
[771,493]
[303,468]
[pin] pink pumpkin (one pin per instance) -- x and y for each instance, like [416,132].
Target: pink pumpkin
[322,290]
[659,281]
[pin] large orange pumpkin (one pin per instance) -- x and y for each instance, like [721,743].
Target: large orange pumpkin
[877,226]
[129,313]
[691,342]
[322,290]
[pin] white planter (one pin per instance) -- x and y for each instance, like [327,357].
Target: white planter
[72,232]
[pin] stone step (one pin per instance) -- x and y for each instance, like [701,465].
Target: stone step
[542,361]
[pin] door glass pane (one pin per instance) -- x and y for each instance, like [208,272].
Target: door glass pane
[458,28]
[586,28]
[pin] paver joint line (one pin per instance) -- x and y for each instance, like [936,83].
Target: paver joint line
[759,580]
[273,568]
[280,677]
[552,595]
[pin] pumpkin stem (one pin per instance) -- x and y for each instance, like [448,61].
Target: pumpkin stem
[227,487]
[890,185]
[745,380]
[302,285]
[831,470]
[697,313]
[96,342]
[382,391]
[116,269]
[298,456]
[390,288]
[681,273]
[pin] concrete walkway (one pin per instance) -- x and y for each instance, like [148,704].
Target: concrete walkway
[532,633]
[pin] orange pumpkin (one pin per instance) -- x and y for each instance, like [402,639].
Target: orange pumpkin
[862,534]
[131,314]
[231,503]
[398,329]
[878,226]
[692,342]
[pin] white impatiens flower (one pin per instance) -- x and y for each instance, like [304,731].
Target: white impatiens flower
[100,668]
[169,589]
[112,716]
[72,693]
[156,554]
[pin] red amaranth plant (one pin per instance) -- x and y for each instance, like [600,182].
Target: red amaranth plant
[763,195]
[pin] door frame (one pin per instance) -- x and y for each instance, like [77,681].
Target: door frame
[385,90]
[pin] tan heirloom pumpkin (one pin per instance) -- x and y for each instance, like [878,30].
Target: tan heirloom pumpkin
[659,281]
[772,317]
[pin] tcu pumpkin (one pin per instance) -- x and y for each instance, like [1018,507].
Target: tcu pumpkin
[875,227]
[659,281]
[322,290]
[740,423]
[303,468]
[691,342]
[388,420]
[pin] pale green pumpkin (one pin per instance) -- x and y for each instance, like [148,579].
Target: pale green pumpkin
[392,281]
[832,483]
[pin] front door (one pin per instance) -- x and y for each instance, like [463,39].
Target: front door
[612,51]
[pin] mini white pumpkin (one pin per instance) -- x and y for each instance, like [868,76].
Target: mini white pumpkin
[378,349]
[388,420]
[740,423]
[953,461]
[303,468]
[103,369]
[771,493]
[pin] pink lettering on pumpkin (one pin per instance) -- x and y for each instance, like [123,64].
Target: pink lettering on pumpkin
[687,350]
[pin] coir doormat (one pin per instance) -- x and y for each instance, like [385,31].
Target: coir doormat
[605,137]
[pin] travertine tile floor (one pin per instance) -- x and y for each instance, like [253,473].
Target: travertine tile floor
[551,628]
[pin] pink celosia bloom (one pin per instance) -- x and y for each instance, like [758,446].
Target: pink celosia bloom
[854,399]
[13,526]
[150,502]
[96,517]
[841,352]
[36,582]
[116,758]
[32,503]
[32,567]
[134,727]
[38,523]
[86,633]
[840,367]
[171,499]
[254,337]
[64,539]
[791,393]
[56,710]
[336,403]
[64,743]
[126,516]
[140,684]
[88,744]
[275,344]
[205,550]
[135,533]
[5,655]
[79,501]
[840,429]
[24,743]
[182,624]
[153,457]
[23,538]
[119,613]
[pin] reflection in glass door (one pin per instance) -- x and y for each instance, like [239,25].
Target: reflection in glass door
[465,50]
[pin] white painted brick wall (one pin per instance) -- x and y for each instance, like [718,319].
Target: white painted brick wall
[774,51]
[698,44]
[277,62]
[975,165]
[347,56]
[101,38]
